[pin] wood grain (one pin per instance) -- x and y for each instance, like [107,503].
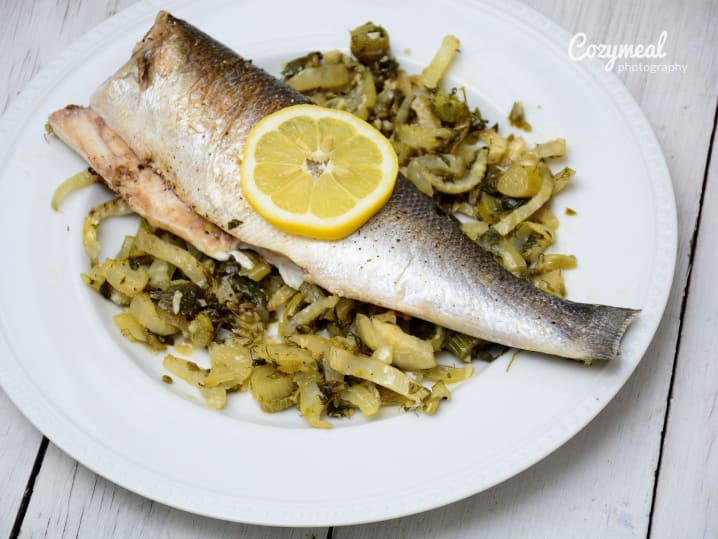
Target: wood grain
[33,33]
[689,467]
[601,483]
[19,442]
[90,506]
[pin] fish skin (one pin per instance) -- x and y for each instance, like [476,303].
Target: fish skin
[186,103]
[138,185]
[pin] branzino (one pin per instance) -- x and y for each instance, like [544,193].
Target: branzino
[185,103]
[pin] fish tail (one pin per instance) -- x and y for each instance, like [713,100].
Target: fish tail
[601,337]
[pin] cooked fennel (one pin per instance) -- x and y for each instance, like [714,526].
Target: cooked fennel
[307,348]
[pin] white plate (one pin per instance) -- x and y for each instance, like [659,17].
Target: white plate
[100,399]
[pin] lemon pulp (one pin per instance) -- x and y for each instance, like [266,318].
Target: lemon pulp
[317,172]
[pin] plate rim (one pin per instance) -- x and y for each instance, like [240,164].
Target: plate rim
[38,410]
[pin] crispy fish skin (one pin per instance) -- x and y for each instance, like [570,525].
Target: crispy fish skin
[216,98]
[143,190]
[186,103]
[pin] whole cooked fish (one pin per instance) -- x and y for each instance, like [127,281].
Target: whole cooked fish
[185,103]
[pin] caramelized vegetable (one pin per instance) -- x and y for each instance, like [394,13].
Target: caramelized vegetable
[434,72]
[112,208]
[275,391]
[71,184]
[517,117]
[369,43]
[181,258]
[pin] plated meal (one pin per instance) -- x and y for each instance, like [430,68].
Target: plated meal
[277,235]
[100,398]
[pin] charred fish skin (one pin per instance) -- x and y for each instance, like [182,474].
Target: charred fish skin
[186,103]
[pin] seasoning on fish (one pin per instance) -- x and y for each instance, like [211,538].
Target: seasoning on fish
[143,190]
[185,103]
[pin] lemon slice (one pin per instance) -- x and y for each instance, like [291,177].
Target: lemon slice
[317,172]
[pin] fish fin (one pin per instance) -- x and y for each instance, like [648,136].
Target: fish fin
[603,335]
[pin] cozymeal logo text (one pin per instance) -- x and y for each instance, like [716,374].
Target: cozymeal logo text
[579,49]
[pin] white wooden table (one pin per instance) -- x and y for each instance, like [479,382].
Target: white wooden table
[647,466]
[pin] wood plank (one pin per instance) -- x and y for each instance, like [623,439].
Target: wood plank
[19,442]
[600,484]
[72,501]
[33,33]
[688,477]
